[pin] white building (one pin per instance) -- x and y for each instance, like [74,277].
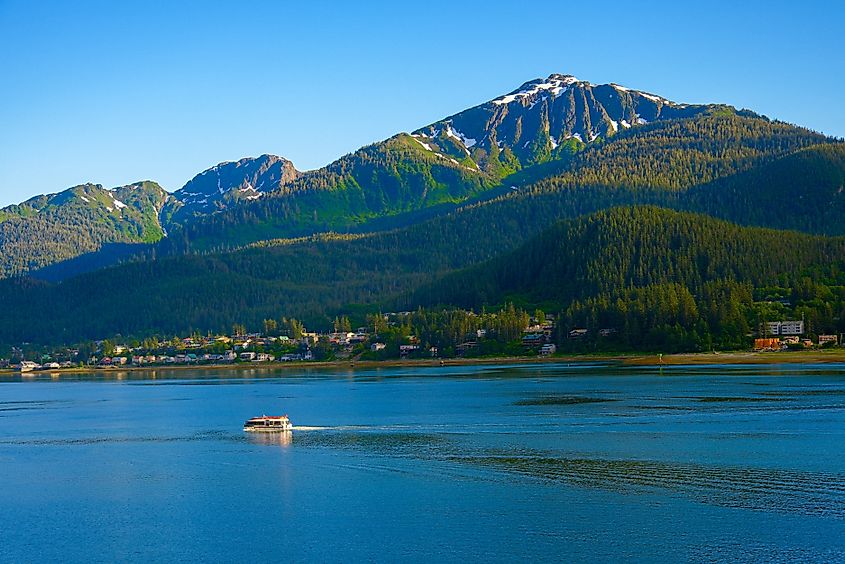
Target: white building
[785,327]
[548,349]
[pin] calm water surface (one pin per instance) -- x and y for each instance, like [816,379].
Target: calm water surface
[497,463]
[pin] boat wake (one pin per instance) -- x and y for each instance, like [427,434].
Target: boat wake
[334,428]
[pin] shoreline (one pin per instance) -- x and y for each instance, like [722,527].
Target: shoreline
[635,359]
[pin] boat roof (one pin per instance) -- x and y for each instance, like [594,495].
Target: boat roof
[265,417]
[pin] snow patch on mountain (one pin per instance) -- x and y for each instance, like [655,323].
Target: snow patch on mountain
[466,141]
[556,84]
[425,145]
[652,97]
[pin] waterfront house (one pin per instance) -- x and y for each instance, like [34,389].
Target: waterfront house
[533,340]
[405,350]
[578,333]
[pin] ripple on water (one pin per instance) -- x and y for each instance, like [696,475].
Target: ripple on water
[809,493]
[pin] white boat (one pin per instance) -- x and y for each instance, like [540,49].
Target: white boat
[268,423]
[28,365]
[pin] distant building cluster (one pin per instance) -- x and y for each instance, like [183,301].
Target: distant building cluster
[536,338]
[781,335]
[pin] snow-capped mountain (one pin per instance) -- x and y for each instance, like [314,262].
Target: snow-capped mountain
[221,185]
[538,117]
[442,164]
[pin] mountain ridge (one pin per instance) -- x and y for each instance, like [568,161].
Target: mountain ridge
[535,138]
[47,229]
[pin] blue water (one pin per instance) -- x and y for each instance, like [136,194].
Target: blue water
[499,463]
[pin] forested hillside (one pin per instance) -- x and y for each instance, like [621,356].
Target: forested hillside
[657,277]
[56,227]
[804,190]
[593,147]
[641,267]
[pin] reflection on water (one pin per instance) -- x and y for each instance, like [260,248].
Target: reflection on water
[274,438]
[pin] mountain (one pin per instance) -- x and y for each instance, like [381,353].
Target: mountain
[406,178]
[311,278]
[550,134]
[376,227]
[55,227]
[87,226]
[536,132]
[228,183]
[544,118]
[390,179]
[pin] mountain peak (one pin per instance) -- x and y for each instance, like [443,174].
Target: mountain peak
[555,84]
[543,115]
[246,179]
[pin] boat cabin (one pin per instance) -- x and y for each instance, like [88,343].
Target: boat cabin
[268,423]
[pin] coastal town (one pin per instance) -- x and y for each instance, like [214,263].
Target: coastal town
[390,336]
[387,336]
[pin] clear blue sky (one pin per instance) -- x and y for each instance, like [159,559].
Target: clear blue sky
[114,92]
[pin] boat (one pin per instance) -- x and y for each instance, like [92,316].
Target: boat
[28,365]
[268,423]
